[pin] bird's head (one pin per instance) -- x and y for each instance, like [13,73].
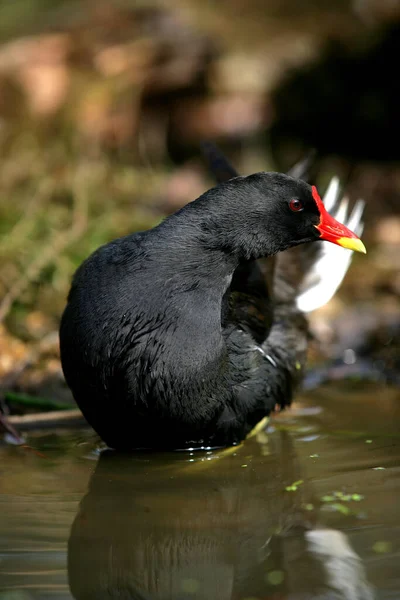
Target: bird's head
[266,213]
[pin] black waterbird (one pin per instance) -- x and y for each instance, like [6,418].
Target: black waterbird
[179,337]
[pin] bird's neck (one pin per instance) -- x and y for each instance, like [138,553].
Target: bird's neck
[190,280]
[188,260]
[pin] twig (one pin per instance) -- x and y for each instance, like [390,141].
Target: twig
[61,418]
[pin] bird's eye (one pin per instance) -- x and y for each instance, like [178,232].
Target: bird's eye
[296,205]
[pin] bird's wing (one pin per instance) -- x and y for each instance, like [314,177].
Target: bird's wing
[329,265]
[302,169]
[217,162]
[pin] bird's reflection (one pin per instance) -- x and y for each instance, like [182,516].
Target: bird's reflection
[210,526]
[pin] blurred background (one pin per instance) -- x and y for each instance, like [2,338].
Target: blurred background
[103,106]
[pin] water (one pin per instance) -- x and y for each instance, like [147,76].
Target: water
[309,510]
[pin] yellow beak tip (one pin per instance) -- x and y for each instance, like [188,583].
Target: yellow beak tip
[352,244]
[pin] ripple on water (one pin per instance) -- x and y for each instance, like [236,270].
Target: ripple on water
[213,524]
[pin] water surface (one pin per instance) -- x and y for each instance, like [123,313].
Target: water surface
[307,510]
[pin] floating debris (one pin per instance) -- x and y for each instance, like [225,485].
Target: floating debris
[294,486]
[343,497]
[275,577]
[382,547]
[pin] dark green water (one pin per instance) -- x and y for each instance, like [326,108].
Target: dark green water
[221,525]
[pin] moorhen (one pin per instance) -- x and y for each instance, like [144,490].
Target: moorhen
[176,338]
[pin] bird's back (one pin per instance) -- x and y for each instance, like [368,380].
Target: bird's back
[163,347]
[134,344]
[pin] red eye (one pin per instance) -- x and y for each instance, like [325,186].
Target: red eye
[296,205]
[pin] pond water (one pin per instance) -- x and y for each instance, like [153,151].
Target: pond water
[308,509]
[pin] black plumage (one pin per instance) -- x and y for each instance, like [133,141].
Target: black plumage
[176,337]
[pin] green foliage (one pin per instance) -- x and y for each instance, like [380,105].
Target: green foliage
[57,208]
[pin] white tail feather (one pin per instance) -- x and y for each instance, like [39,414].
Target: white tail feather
[332,263]
[331,194]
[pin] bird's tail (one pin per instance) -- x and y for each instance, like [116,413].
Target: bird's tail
[326,264]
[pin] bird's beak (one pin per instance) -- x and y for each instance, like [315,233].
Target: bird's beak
[333,231]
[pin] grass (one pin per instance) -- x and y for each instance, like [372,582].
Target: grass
[56,207]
